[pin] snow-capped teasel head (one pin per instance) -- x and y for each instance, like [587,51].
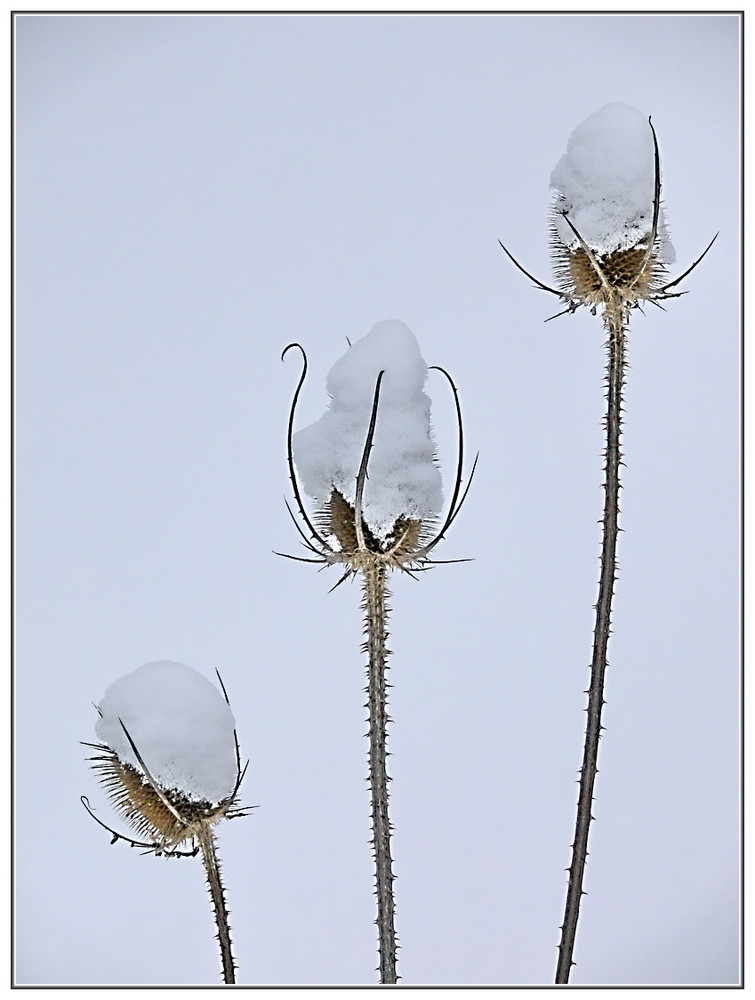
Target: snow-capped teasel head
[609,238]
[609,234]
[369,462]
[404,480]
[169,755]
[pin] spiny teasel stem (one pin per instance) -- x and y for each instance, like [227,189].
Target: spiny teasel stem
[375,618]
[615,321]
[206,840]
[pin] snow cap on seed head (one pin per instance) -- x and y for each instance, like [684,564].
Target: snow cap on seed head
[605,182]
[181,726]
[403,479]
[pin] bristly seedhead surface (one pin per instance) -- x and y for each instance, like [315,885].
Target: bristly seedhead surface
[633,275]
[400,544]
[162,815]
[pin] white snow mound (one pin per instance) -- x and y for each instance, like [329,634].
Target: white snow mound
[403,478]
[180,724]
[605,181]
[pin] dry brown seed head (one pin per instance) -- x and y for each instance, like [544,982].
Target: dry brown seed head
[633,275]
[145,809]
[400,546]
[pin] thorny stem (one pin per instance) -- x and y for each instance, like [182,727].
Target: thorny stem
[375,616]
[206,840]
[616,347]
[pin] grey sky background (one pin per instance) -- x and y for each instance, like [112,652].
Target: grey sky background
[192,194]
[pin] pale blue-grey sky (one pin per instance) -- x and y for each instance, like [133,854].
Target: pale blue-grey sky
[192,194]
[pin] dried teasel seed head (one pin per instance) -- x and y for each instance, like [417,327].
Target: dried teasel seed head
[634,274]
[608,233]
[168,756]
[402,540]
[164,815]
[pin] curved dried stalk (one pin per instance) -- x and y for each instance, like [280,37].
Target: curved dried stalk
[455,504]
[315,535]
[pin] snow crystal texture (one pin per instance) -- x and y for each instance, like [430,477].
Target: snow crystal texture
[181,725]
[605,181]
[403,479]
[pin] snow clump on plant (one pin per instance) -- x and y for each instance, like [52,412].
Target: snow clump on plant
[181,726]
[606,183]
[403,480]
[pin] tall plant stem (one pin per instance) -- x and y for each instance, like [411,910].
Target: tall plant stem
[616,348]
[375,625]
[206,841]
